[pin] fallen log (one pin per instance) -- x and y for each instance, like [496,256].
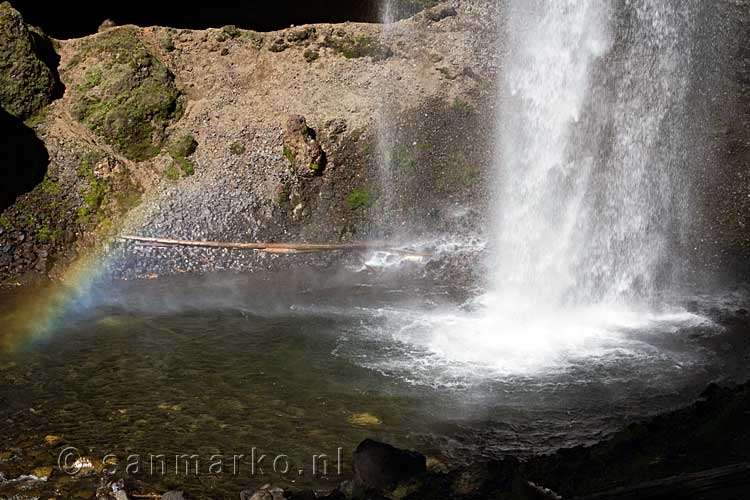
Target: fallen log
[277,248]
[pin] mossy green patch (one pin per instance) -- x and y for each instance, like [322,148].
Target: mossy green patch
[359,197]
[127,97]
[290,155]
[311,55]
[231,31]
[46,235]
[180,149]
[184,146]
[95,190]
[359,46]
[237,148]
[462,107]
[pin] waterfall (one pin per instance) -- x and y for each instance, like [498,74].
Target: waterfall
[590,189]
[588,159]
[385,142]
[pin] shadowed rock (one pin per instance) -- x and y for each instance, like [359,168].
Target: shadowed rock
[379,467]
[25,159]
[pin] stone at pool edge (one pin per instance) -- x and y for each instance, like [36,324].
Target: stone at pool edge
[173,495]
[380,467]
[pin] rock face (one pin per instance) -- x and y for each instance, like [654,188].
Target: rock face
[27,84]
[123,93]
[379,467]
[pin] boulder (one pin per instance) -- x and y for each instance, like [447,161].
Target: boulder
[379,467]
[301,147]
[440,12]
[123,93]
[27,83]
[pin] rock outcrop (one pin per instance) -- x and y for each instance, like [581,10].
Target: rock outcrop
[123,93]
[27,83]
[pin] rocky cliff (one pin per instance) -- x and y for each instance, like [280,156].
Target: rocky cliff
[229,134]
[323,132]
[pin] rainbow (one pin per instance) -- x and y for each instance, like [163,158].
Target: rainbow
[34,313]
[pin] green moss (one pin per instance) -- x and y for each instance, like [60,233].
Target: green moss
[37,119]
[462,107]
[4,221]
[95,190]
[180,149]
[50,187]
[470,174]
[282,199]
[93,78]
[231,31]
[256,39]
[290,156]
[356,134]
[360,46]
[405,160]
[173,172]
[46,235]
[183,146]
[237,148]
[27,85]
[358,198]
[167,43]
[311,55]
[187,166]
[315,167]
[134,98]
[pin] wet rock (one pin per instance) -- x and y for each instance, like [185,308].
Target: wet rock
[265,493]
[303,495]
[121,495]
[42,472]
[380,467]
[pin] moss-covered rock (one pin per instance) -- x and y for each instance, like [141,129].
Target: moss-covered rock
[27,84]
[124,94]
[354,47]
[301,147]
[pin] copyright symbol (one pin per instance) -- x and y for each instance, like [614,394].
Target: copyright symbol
[69,461]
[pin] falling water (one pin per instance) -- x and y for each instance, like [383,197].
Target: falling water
[385,124]
[588,156]
[589,189]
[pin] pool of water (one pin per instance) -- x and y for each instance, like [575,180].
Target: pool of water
[312,364]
